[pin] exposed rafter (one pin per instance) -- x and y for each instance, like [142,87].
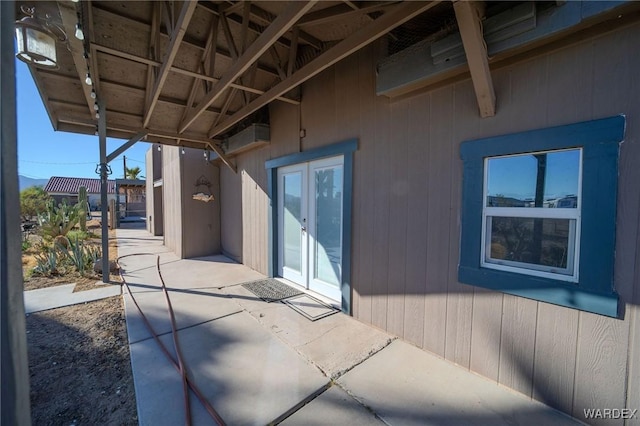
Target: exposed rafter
[154,50]
[187,40]
[390,20]
[206,64]
[280,25]
[69,20]
[469,17]
[179,29]
[223,157]
[151,62]
[341,11]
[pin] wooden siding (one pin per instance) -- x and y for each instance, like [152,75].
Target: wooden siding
[406,216]
[201,228]
[191,228]
[172,198]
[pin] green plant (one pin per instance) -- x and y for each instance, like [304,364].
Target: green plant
[82,256]
[132,173]
[26,245]
[33,200]
[79,235]
[58,220]
[83,207]
[47,262]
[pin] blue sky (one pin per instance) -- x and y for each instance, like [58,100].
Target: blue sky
[43,152]
[516,176]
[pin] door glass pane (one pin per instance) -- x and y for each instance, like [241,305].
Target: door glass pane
[328,232]
[292,189]
[548,179]
[543,244]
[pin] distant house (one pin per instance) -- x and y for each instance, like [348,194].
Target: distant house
[61,188]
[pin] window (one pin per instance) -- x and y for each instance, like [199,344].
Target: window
[539,212]
[531,214]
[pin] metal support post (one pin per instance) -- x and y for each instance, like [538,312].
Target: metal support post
[105,171]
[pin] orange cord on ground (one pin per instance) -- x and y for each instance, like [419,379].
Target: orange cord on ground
[179,364]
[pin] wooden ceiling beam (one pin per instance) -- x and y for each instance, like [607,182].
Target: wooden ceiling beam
[469,16]
[280,25]
[259,13]
[203,142]
[154,50]
[187,40]
[179,30]
[390,20]
[95,74]
[69,17]
[206,64]
[341,11]
[139,59]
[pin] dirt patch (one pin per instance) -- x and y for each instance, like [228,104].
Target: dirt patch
[79,364]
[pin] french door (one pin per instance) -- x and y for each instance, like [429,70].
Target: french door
[310,203]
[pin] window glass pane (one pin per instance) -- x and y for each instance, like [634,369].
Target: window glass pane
[541,242]
[328,250]
[548,179]
[292,221]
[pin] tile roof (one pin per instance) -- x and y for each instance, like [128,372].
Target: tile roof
[70,185]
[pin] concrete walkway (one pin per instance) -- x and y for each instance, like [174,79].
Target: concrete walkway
[259,362]
[62,295]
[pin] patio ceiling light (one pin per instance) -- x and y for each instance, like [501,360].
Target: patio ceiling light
[36,41]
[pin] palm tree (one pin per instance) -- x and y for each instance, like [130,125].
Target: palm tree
[132,173]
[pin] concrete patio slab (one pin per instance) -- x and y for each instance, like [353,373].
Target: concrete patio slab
[335,344]
[199,273]
[190,307]
[62,295]
[407,386]
[247,300]
[248,375]
[333,407]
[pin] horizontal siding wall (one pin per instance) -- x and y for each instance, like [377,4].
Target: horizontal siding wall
[406,216]
[201,228]
[172,198]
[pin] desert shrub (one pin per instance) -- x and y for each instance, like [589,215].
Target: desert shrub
[33,200]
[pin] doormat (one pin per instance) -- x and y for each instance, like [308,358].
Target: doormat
[310,307]
[271,290]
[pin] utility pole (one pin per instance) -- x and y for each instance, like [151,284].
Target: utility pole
[124,170]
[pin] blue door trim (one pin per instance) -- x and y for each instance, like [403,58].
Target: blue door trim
[346,149]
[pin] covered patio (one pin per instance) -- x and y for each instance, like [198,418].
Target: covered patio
[264,363]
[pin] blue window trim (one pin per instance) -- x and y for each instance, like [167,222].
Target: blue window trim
[600,143]
[346,149]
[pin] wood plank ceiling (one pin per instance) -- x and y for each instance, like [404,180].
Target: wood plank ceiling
[189,73]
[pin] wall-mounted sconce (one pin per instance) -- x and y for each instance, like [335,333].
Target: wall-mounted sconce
[36,40]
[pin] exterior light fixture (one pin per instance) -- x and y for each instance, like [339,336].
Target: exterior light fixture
[79,33]
[36,40]
[97,115]
[182,150]
[88,80]
[93,94]
[159,148]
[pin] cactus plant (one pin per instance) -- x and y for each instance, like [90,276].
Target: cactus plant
[58,220]
[83,207]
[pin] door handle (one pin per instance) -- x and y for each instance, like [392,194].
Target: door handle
[303,229]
